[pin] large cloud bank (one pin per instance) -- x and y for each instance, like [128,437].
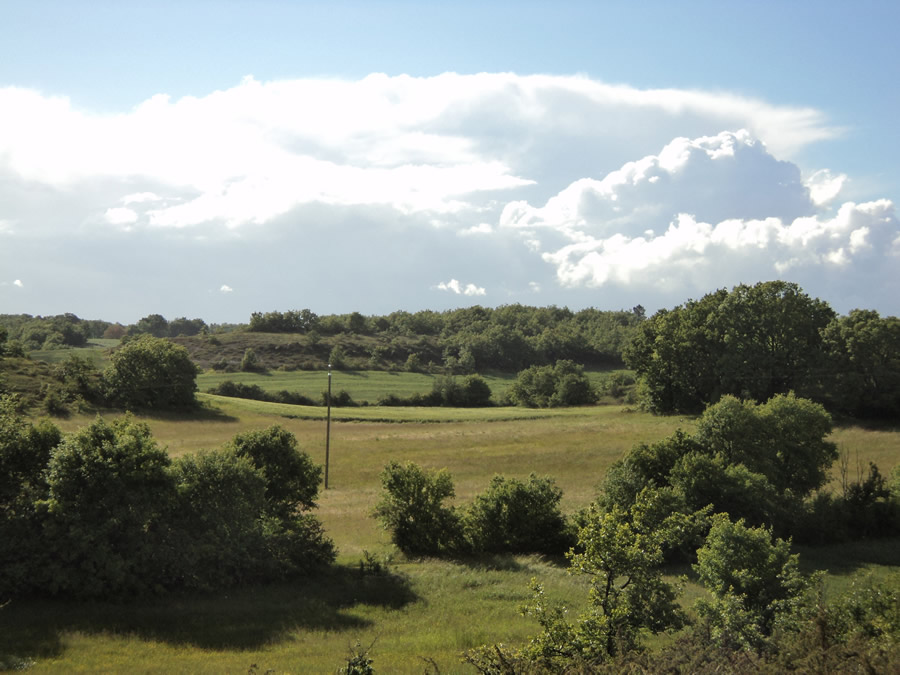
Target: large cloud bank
[537,188]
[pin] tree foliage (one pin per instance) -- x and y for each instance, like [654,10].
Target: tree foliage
[563,384]
[412,509]
[753,342]
[516,516]
[291,478]
[104,512]
[754,580]
[863,351]
[754,461]
[149,372]
[108,485]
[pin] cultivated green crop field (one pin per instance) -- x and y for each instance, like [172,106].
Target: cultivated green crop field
[421,614]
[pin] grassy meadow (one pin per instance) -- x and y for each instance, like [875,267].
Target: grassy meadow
[362,385]
[420,615]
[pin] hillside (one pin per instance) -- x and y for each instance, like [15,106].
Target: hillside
[295,351]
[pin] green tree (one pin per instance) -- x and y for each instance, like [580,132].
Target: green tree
[79,378]
[754,342]
[149,372]
[621,552]
[109,490]
[477,391]
[337,358]
[863,374]
[771,340]
[754,581]
[216,536]
[675,354]
[412,509]
[250,363]
[515,516]
[152,324]
[291,478]
[563,384]
[25,451]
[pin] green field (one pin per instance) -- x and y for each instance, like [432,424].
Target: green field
[424,609]
[362,385]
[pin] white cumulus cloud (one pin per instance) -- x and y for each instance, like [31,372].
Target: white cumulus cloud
[250,153]
[454,286]
[225,288]
[725,209]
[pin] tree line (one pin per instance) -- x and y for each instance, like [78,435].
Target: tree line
[508,338]
[771,338]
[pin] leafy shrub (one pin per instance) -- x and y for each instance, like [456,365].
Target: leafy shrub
[754,580]
[412,509]
[563,384]
[105,513]
[474,392]
[514,516]
[216,533]
[149,372]
[250,363]
[291,478]
[256,393]
[109,491]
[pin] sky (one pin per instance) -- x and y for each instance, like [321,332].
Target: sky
[212,159]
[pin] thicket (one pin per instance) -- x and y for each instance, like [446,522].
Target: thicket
[256,393]
[765,463]
[511,516]
[560,385]
[448,392]
[762,613]
[26,332]
[507,338]
[143,373]
[104,512]
[758,341]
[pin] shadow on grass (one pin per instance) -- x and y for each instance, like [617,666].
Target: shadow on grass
[247,618]
[850,557]
[202,413]
[507,562]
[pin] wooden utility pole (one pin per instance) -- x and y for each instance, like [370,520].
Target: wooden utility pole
[328,427]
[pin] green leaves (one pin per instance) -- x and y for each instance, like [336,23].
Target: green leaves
[149,372]
[412,509]
[753,579]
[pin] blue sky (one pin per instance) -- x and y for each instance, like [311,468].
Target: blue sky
[210,159]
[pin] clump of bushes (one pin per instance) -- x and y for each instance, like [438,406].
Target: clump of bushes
[511,516]
[257,393]
[105,512]
[559,385]
[448,392]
